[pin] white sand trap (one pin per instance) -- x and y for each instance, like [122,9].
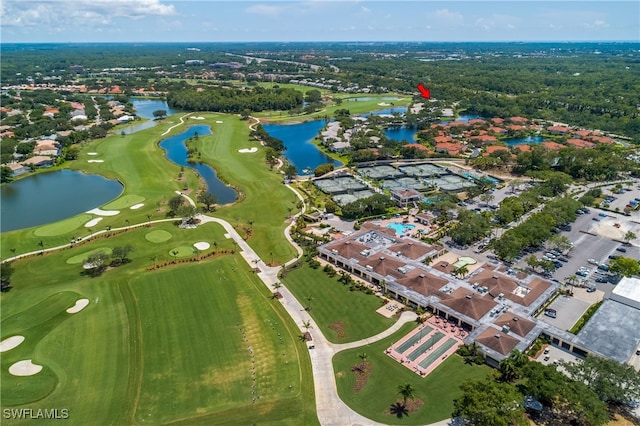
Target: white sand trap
[136,206]
[92,153]
[25,368]
[93,222]
[383,104]
[198,118]
[101,212]
[218,122]
[80,305]
[10,343]
[202,245]
[95,161]
[245,150]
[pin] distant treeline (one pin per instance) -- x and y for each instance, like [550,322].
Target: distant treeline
[234,100]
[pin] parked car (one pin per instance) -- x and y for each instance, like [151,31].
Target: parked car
[596,219]
[614,256]
[603,267]
[602,280]
[592,261]
[563,259]
[581,273]
[552,313]
[591,289]
[603,214]
[621,249]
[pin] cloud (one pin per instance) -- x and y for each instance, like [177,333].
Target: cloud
[597,24]
[449,16]
[264,9]
[497,21]
[365,9]
[63,14]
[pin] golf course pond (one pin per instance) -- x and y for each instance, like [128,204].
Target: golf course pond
[301,152]
[50,197]
[176,151]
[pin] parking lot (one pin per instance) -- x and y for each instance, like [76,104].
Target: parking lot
[568,310]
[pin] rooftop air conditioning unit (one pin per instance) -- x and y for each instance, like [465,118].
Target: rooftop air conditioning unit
[497,336]
[422,276]
[468,296]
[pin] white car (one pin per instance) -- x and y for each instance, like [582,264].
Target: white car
[592,261]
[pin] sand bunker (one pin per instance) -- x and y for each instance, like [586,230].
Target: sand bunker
[95,161]
[93,222]
[136,206]
[92,153]
[244,150]
[383,104]
[197,118]
[100,212]
[25,368]
[10,343]
[202,245]
[219,122]
[80,305]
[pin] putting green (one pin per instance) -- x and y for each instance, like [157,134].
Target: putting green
[62,227]
[124,202]
[182,251]
[158,236]
[77,259]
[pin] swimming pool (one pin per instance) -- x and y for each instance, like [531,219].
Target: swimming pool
[401,228]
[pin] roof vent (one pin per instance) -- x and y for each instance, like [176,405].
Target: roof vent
[497,336]
[347,243]
[422,276]
[495,277]
[468,296]
[381,257]
[515,318]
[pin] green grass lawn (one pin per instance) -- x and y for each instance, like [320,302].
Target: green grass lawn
[437,391]
[154,346]
[334,307]
[359,107]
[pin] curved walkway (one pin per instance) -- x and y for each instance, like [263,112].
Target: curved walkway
[166,132]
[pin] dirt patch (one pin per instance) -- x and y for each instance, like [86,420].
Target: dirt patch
[362,372]
[413,405]
[338,327]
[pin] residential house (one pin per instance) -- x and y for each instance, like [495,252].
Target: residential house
[38,161]
[17,169]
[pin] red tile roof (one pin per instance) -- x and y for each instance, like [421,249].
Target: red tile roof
[523,147]
[579,143]
[453,148]
[552,145]
[558,129]
[417,146]
[497,340]
[494,148]
[484,138]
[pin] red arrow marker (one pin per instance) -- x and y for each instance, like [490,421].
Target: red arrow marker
[424,92]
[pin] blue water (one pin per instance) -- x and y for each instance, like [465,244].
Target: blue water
[402,133]
[50,197]
[527,140]
[177,152]
[301,152]
[462,119]
[144,109]
[400,228]
[490,178]
[387,111]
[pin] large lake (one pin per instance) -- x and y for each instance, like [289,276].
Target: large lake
[49,197]
[301,152]
[144,109]
[402,133]
[176,151]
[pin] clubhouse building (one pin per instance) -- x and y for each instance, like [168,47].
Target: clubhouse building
[496,306]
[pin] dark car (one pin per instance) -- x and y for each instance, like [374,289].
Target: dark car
[621,249]
[596,219]
[602,280]
[603,267]
[550,313]
[563,259]
[614,256]
[591,289]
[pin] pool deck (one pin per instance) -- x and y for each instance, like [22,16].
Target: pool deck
[451,258]
[416,232]
[436,340]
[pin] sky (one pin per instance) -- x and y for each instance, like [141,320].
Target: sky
[33,21]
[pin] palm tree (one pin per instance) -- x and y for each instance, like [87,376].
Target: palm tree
[309,299]
[407,391]
[363,356]
[307,325]
[461,271]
